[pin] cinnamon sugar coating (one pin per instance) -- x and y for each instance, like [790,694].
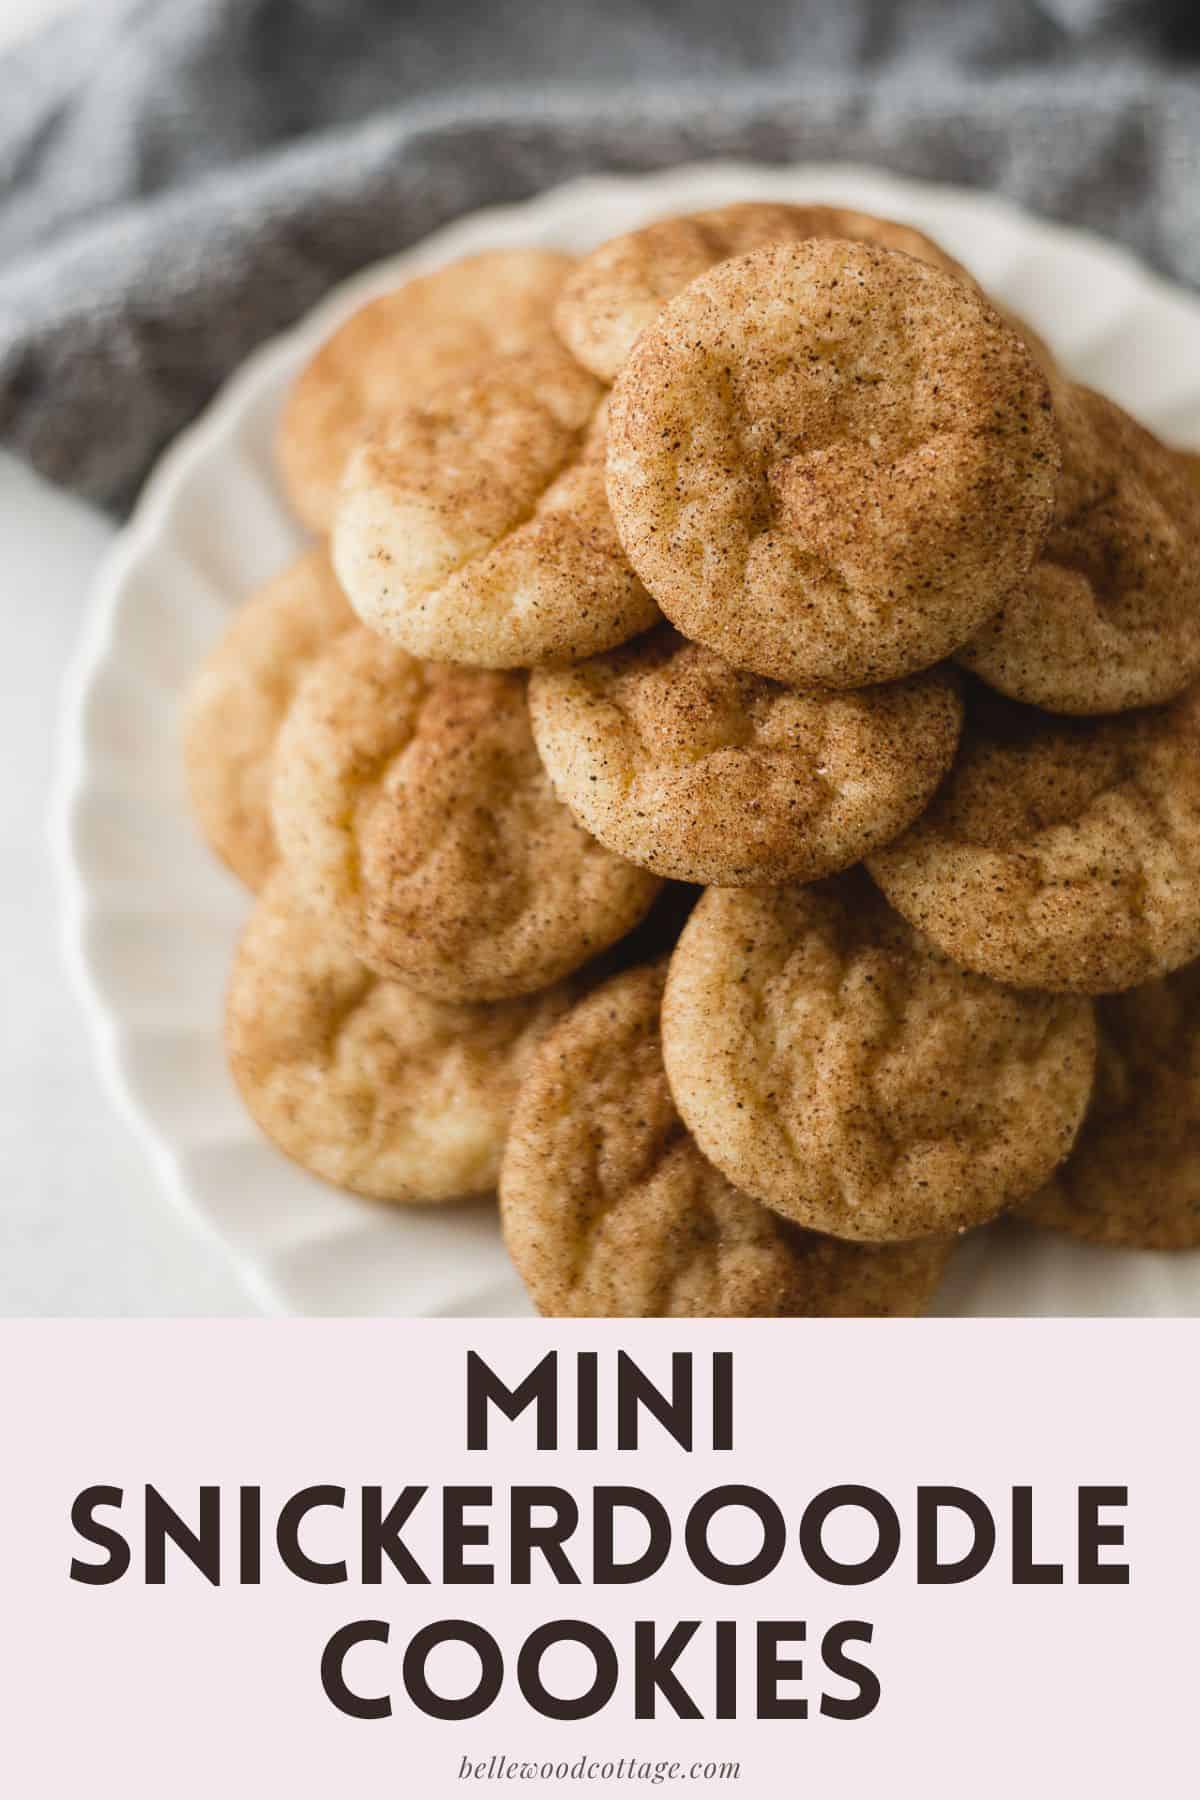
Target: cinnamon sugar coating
[400,346]
[830,462]
[836,1066]
[1060,854]
[367,1083]
[609,1209]
[410,804]
[703,773]
[477,529]
[1108,618]
[237,701]
[1133,1178]
[621,287]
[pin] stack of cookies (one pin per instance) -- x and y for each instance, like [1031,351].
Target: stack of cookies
[727,773]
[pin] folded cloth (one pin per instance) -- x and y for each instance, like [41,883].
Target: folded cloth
[181,178]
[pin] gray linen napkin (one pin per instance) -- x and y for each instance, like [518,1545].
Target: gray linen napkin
[181,178]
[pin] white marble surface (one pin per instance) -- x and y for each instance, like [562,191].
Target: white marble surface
[84,1227]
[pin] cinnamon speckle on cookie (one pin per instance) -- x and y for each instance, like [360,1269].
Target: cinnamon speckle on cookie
[410,804]
[237,701]
[1106,619]
[1133,1179]
[399,346]
[1059,853]
[838,1067]
[367,1083]
[609,1209]
[705,773]
[830,462]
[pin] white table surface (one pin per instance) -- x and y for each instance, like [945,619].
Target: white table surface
[84,1226]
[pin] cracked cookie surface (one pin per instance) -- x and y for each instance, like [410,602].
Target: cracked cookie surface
[704,773]
[1108,618]
[1060,854]
[398,347]
[366,1083]
[621,287]
[477,530]
[830,462]
[410,803]
[237,701]
[609,1209]
[836,1066]
[1133,1178]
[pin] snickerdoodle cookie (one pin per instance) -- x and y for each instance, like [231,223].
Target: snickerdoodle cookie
[623,285]
[610,1210]
[836,1066]
[410,803]
[364,1082]
[830,462]
[236,704]
[703,773]
[397,348]
[1060,853]
[1109,616]
[1133,1177]
[477,529]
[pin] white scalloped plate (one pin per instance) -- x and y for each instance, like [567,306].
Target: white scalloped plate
[151,920]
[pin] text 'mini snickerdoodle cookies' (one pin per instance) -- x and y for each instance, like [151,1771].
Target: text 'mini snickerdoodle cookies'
[1061,854]
[831,462]
[237,701]
[410,804]
[476,529]
[400,346]
[704,773]
[364,1082]
[609,1210]
[839,1068]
